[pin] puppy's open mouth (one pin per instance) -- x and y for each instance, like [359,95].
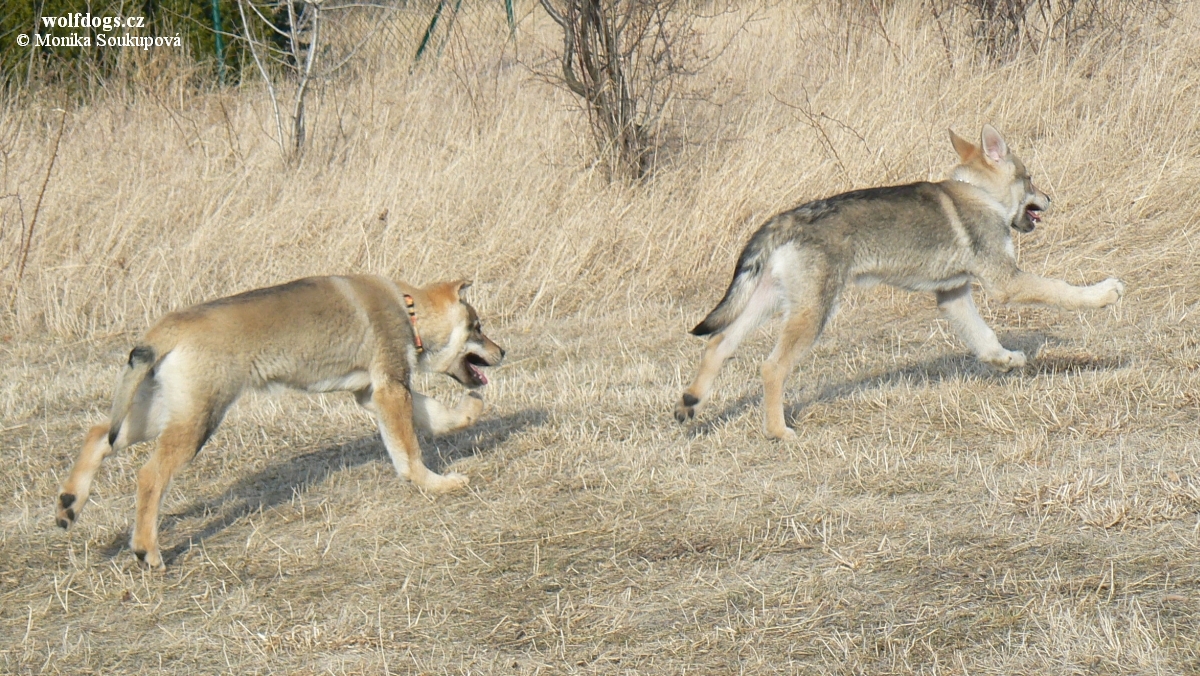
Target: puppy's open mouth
[474,362]
[1034,214]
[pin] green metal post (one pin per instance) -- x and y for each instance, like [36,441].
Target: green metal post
[449,26]
[216,18]
[437,14]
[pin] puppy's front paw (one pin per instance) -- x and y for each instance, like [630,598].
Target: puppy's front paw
[783,434]
[445,483]
[470,408]
[1005,360]
[685,410]
[1109,291]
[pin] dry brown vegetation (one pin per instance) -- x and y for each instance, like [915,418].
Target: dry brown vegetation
[932,517]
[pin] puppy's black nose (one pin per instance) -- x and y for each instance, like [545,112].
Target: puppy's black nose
[502,353]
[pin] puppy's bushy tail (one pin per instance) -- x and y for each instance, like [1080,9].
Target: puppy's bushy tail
[751,265]
[141,365]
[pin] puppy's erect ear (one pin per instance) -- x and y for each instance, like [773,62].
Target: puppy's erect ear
[994,147]
[447,292]
[460,285]
[965,149]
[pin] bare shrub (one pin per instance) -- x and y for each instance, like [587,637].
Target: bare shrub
[292,45]
[297,46]
[1004,27]
[624,58]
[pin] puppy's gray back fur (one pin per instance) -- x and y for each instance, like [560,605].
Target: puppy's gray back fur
[918,236]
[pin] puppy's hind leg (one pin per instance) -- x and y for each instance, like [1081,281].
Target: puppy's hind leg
[178,444]
[723,344]
[193,410]
[810,307]
[432,416]
[130,426]
[74,493]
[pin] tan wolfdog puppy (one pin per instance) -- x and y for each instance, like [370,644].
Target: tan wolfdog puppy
[361,334]
[935,237]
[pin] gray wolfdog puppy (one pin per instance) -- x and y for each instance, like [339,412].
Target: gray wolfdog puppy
[361,334]
[923,236]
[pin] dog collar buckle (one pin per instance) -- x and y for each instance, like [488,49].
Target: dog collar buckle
[412,317]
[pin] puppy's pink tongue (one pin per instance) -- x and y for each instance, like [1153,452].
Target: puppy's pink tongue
[478,374]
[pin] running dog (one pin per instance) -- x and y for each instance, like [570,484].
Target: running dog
[937,237]
[361,334]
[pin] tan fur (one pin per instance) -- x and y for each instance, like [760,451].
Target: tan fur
[319,334]
[935,237]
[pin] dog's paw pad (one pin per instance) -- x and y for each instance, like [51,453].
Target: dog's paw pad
[685,410]
[150,559]
[66,511]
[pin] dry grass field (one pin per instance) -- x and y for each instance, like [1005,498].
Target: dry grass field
[931,516]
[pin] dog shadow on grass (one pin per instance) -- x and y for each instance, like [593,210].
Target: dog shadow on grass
[279,482]
[948,367]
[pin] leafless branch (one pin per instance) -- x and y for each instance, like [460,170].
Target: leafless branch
[298,117]
[249,37]
[27,239]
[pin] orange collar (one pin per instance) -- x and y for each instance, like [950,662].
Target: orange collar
[412,317]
